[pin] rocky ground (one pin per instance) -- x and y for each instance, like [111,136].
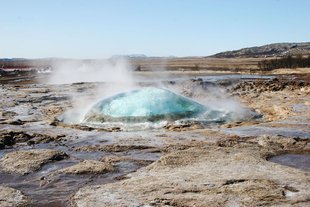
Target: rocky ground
[227,164]
[233,172]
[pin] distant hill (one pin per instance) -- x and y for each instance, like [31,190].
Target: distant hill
[128,56]
[271,50]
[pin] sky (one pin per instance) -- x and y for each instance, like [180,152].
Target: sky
[102,28]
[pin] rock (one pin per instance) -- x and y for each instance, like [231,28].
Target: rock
[24,162]
[284,144]
[10,197]
[183,127]
[124,148]
[9,114]
[54,122]
[14,122]
[89,167]
[236,174]
[114,148]
[116,159]
[81,127]
[111,129]
[9,138]
[45,138]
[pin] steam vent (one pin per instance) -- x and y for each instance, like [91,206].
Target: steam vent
[146,104]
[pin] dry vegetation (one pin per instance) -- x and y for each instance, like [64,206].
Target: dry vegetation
[196,63]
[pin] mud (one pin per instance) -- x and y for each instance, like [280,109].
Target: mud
[186,164]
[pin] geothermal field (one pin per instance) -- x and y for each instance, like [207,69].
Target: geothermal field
[111,133]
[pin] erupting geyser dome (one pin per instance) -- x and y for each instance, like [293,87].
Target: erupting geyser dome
[146,104]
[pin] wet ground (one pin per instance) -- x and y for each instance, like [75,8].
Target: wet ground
[32,114]
[300,161]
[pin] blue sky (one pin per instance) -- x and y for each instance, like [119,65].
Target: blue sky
[101,28]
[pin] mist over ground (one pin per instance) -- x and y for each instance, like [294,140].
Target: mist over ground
[111,77]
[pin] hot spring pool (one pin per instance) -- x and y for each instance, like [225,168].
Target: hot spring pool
[150,105]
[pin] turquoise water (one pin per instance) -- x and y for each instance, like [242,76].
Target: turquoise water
[146,104]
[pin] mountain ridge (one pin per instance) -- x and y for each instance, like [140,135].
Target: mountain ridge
[269,50]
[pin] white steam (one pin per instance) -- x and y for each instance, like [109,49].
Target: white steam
[116,75]
[115,70]
[112,76]
[216,98]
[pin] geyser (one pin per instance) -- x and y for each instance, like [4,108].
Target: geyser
[147,104]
